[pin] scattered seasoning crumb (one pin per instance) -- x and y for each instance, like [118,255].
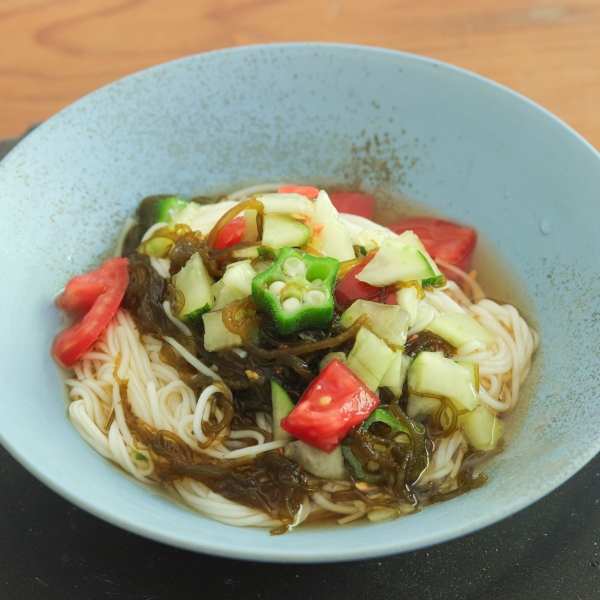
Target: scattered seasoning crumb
[252,375]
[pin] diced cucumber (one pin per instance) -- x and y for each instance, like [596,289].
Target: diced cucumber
[321,464]
[169,208]
[473,368]
[408,299]
[395,262]
[203,217]
[370,358]
[388,321]
[246,253]
[282,406]
[223,295]
[331,236]
[432,373]
[482,428]
[370,239]
[216,335]
[395,376]
[419,407]
[460,328]
[282,230]
[287,204]
[411,239]
[188,214]
[425,315]
[238,277]
[329,357]
[194,282]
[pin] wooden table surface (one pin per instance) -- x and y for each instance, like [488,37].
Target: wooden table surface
[55,51]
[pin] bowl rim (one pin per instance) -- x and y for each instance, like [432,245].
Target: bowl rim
[262,553]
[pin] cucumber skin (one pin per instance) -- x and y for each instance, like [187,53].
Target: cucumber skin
[282,406]
[196,316]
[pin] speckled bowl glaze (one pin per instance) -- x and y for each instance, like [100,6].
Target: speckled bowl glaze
[306,112]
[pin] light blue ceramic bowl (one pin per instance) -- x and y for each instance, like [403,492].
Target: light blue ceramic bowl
[468,147]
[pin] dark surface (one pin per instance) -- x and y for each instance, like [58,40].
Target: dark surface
[50,549]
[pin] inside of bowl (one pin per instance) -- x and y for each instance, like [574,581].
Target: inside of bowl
[376,119]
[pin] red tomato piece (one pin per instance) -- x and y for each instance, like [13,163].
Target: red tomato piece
[305,190]
[350,288]
[354,203]
[99,293]
[333,403]
[444,240]
[231,234]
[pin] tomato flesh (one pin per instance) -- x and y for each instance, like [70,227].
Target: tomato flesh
[97,294]
[443,240]
[354,203]
[231,234]
[333,403]
[305,190]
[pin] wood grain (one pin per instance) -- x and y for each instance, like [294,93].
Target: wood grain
[55,51]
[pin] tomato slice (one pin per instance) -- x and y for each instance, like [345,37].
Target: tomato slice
[354,203]
[305,190]
[350,288]
[231,234]
[444,240]
[333,403]
[97,294]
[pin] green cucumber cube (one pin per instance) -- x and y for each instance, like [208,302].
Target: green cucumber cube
[280,231]
[432,374]
[395,376]
[370,358]
[216,335]
[239,277]
[419,407]
[332,238]
[410,238]
[482,428]
[388,321]
[394,262]
[460,328]
[328,465]
[194,282]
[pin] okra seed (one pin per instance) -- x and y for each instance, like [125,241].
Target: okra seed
[325,400]
[315,297]
[293,267]
[276,287]
[291,304]
[317,281]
